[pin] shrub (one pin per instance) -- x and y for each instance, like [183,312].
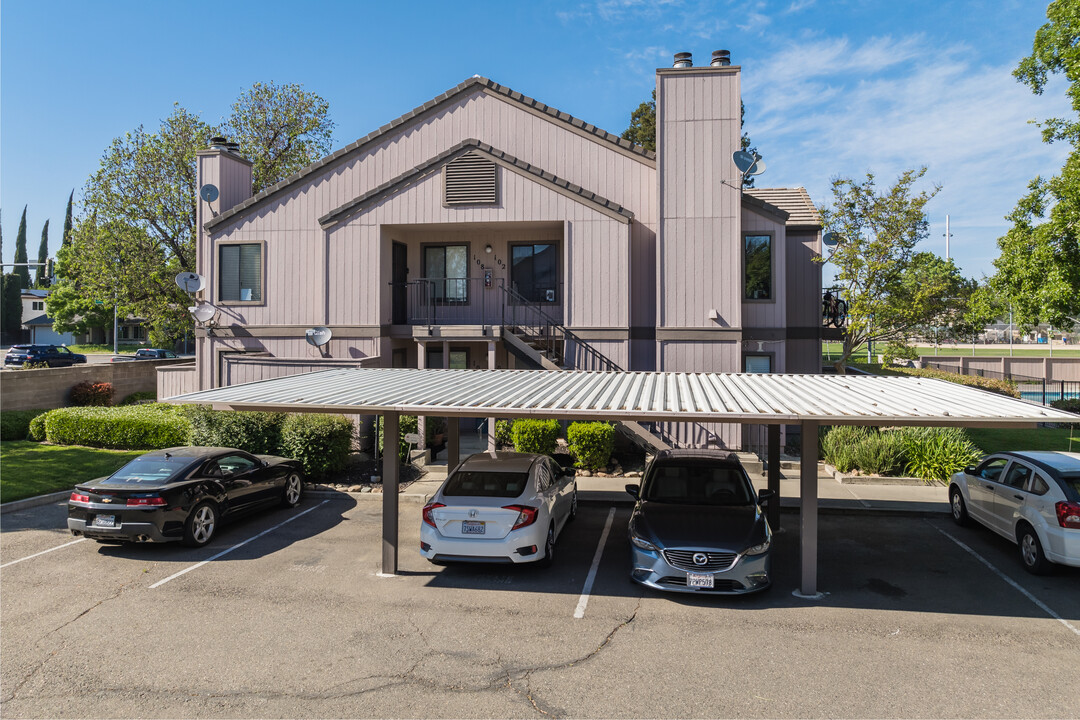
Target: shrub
[406,424]
[15,424]
[898,350]
[935,453]
[1001,387]
[36,431]
[321,443]
[535,436]
[255,432]
[1068,405]
[139,398]
[137,427]
[880,453]
[503,432]
[591,444]
[91,394]
[838,444]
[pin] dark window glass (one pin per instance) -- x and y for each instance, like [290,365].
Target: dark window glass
[448,268]
[486,484]
[1039,486]
[241,272]
[1072,482]
[1017,476]
[757,364]
[697,484]
[534,272]
[235,464]
[757,263]
[148,471]
[991,470]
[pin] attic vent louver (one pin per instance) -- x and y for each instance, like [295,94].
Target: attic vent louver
[469,180]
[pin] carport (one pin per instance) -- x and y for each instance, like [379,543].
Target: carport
[774,400]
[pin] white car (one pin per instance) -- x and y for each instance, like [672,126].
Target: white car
[499,507]
[1031,498]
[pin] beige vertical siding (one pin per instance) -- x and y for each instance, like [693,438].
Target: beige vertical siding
[803,283]
[698,243]
[176,380]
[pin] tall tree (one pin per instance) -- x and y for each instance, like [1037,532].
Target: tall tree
[140,203]
[642,130]
[1038,270]
[41,278]
[890,289]
[67,219]
[10,304]
[22,272]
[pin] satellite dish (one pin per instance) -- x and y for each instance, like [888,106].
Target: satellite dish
[208,192]
[757,168]
[203,313]
[318,336]
[190,282]
[743,160]
[830,239]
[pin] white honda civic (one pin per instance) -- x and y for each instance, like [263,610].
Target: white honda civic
[499,507]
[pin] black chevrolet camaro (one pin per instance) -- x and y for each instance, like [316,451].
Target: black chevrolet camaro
[181,493]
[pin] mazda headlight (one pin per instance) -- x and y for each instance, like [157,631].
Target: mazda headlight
[641,542]
[759,549]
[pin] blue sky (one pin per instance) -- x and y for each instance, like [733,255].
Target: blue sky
[831,89]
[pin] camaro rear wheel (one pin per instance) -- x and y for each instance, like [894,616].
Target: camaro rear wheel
[200,525]
[956,504]
[1031,552]
[294,490]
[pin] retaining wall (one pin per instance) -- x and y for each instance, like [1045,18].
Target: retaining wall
[1047,368]
[48,388]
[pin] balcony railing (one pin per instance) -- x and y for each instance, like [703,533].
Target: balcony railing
[467,301]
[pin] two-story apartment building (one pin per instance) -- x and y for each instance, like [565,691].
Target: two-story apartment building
[485,229]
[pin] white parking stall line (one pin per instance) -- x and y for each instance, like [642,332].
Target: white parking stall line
[197,565]
[43,552]
[1039,603]
[579,612]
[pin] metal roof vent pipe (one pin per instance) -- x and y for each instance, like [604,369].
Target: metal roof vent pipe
[218,143]
[720,58]
[683,60]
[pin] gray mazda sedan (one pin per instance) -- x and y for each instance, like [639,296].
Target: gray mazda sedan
[697,525]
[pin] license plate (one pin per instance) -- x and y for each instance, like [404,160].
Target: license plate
[104,521]
[472,527]
[699,581]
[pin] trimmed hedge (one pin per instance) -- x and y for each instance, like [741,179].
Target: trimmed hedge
[591,443]
[1001,387]
[503,432]
[91,394]
[136,427]
[255,432]
[37,428]
[535,436]
[139,398]
[321,443]
[15,424]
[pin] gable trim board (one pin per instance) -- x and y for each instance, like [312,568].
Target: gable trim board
[482,84]
[500,158]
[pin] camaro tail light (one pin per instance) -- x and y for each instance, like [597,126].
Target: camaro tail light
[79,497]
[1068,514]
[427,513]
[526,515]
[153,501]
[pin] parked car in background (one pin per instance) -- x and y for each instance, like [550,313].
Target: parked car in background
[503,507]
[145,354]
[181,494]
[51,355]
[1031,498]
[697,525]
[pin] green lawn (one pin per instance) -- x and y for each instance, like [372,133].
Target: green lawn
[30,468]
[999,439]
[121,349]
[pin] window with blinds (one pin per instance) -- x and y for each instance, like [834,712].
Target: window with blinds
[469,180]
[240,272]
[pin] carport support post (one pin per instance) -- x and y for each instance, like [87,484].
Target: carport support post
[808,510]
[453,442]
[774,477]
[391,439]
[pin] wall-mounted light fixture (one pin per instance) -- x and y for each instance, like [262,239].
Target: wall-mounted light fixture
[487,248]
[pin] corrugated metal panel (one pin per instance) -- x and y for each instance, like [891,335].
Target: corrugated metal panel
[774,398]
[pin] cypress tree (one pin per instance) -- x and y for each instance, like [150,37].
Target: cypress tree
[23,273]
[41,280]
[67,221]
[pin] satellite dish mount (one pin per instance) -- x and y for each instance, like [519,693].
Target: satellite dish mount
[320,338]
[748,163]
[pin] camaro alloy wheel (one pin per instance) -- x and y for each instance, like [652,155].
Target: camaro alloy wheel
[294,489]
[200,525]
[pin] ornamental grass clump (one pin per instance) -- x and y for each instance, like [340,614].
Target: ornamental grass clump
[880,453]
[838,444]
[935,453]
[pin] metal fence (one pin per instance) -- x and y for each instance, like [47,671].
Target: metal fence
[1035,389]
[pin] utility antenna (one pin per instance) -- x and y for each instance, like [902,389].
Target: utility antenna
[948,235]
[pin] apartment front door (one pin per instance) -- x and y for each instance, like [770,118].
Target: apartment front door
[399,290]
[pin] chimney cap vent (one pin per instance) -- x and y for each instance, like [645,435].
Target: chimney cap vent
[720,58]
[684,60]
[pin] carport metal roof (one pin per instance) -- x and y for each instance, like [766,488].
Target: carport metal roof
[648,396]
[810,400]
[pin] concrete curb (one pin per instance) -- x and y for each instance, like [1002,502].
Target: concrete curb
[36,501]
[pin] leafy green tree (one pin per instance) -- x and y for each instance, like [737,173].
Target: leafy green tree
[139,206]
[1038,270]
[41,279]
[82,301]
[22,272]
[642,130]
[890,289]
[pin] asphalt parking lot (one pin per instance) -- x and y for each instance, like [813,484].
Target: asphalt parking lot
[284,615]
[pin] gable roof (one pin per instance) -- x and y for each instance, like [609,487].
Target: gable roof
[499,157]
[485,85]
[794,201]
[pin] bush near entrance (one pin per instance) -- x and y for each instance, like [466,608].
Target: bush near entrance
[134,427]
[321,443]
[929,453]
[91,394]
[535,436]
[591,444]
[15,424]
